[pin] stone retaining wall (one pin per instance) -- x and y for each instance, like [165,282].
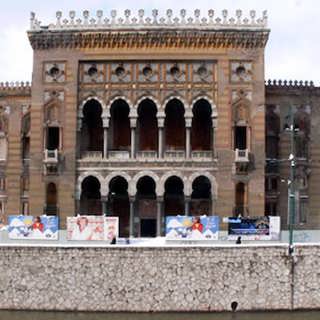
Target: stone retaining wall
[158,279]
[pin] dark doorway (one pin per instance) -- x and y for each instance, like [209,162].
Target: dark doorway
[51,201]
[90,200]
[174,197]
[147,206]
[119,205]
[148,227]
[240,199]
[201,197]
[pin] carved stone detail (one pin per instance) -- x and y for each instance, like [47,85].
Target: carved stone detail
[54,72]
[241,71]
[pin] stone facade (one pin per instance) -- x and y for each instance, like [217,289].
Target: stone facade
[141,118]
[159,279]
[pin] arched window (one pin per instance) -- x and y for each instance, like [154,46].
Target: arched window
[147,126]
[147,207]
[174,125]
[92,129]
[90,200]
[174,197]
[201,197]
[51,199]
[201,133]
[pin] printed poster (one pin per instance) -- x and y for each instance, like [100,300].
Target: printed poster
[254,228]
[92,228]
[34,228]
[192,228]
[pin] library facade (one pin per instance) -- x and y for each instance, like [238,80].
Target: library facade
[144,117]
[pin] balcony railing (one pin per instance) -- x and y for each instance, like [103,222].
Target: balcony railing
[241,155]
[51,156]
[119,154]
[201,154]
[92,155]
[174,154]
[147,154]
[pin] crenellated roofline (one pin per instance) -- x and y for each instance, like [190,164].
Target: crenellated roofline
[149,32]
[15,88]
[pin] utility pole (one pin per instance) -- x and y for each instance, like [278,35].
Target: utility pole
[291,187]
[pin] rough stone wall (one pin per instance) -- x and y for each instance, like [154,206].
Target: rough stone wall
[156,279]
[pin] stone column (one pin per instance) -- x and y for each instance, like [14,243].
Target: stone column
[133,123]
[105,143]
[104,201]
[159,216]
[188,120]
[214,125]
[131,218]
[187,201]
[160,116]
[105,123]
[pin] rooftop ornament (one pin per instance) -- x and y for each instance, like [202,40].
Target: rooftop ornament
[168,21]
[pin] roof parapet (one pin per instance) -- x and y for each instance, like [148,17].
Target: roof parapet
[289,83]
[12,88]
[169,21]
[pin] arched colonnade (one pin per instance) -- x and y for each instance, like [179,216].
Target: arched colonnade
[143,201]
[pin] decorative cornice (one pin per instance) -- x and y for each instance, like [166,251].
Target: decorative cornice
[150,39]
[155,22]
[15,88]
[168,32]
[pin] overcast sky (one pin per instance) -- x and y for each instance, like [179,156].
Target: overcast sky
[292,52]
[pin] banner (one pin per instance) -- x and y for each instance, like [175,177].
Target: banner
[254,228]
[192,228]
[28,227]
[96,228]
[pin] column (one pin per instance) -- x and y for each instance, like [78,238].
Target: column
[105,142]
[188,145]
[131,218]
[187,201]
[160,134]
[188,135]
[159,216]
[104,201]
[133,142]
[214,125]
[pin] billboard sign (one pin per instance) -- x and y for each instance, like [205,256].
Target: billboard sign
[192,228]
[254,228]
[96,228]
[34,228]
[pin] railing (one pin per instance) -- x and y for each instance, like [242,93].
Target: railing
[201,154]
[241,155]
[175,154]
[92,155]
[51,156]
[119,154]
[147,154]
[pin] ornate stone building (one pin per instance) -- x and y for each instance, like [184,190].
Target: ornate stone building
[143,117]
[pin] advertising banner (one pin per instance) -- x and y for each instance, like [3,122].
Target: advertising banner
[96,228]
[192,228]
[254,228]
[34,228]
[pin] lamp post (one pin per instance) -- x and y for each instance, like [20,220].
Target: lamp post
[291,183]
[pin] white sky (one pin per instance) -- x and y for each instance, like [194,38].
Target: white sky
[292,52]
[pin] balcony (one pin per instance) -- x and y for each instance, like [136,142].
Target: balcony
[241,155]
[175,154]
[201,155]
[51,162]
[92,155]
[142,155]
[51,156]
[119,154]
